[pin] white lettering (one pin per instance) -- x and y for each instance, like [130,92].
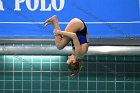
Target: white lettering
[1,6]
[43,6]
[17,4]
[62,2]
[36,4]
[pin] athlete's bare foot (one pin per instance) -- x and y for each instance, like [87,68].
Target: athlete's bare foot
[51,20]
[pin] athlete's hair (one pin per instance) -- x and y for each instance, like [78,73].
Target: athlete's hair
[75,67]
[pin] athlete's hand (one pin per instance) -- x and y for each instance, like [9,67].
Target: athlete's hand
[56,32]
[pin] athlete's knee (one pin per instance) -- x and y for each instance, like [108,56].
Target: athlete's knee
[59,47]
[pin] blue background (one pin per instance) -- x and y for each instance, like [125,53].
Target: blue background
[88,10]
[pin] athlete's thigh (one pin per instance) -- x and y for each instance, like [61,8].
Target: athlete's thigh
[74,25]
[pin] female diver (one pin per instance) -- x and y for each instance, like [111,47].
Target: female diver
[76,33]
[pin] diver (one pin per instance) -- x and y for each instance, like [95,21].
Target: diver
[76,33]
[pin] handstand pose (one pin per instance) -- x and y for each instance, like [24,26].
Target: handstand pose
[76,32]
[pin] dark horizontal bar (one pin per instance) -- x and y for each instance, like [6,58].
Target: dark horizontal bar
[92,41]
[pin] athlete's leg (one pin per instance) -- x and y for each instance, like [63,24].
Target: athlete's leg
[73,36]
[73,26]
[60,40]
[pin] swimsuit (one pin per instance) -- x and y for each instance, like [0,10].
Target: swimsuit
[82,35]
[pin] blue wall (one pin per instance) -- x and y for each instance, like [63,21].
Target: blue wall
[88,10]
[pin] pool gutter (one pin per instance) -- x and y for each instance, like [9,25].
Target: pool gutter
[96,47]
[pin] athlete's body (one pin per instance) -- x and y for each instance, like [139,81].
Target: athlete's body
[76,32]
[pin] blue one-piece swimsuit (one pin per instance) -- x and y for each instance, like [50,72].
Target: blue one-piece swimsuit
[82,35]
